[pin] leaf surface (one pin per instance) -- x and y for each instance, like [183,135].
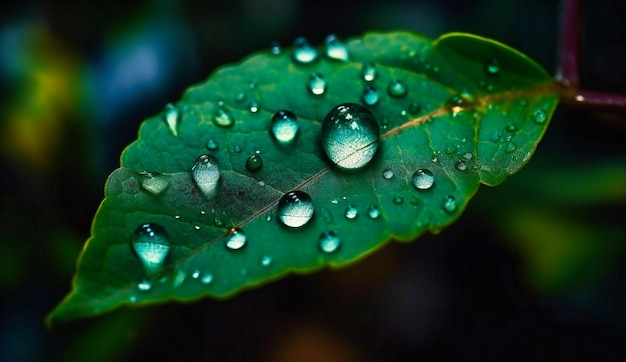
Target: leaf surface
[473,112]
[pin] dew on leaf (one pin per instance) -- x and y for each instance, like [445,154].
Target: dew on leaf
[460,165]
[240,97]
[398,200]
[222,117]
[387,174]
[397,89]
[236,239]
[284,126]
[496,135]
[144,285]
[467,155]
[368,72]
[329,242]
[171,116]
[316,84]
[350,135]
[351,212]
[492,66]
[295,209]
[511,127]
[335,49]
[180,278]
[510,147]
[206,174]
[540,117]
[370,95]
[450,150]
[197,227]
[254,107]
[254,163]
[459,103]
[303,52]
[266,260]
[423,179]
[154,183]
[207,279]
[151,244]
[275,48]
[212,145]
[195,274]
[449,204]
[373,212]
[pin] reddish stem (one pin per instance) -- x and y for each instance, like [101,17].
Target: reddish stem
[567,72]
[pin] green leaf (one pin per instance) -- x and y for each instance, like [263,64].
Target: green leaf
[472,113]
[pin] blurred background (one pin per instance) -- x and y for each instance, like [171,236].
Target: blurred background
[534,270]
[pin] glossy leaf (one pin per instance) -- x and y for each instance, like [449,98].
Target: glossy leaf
[452,113]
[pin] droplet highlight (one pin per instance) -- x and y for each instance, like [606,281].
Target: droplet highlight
[206,174]
[295,209]
[171,116]
[266,260]
[144,285]
[423,179]
[151,244]
[492,66]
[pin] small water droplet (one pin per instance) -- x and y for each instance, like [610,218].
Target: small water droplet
[240,97]
[459,103]
[368,72]
[449,204]
[415,108]
[206,174]
[350,135]
[154,183]
[284,126]
[180,278]
[335,49]
[329,242]
[434,159]
[212,145]
[511,127]
[218,222]
[207,279]
[510,147]
[373,212]
[496,135]
[397,89]
[268,218]
[295,209]
[132,299]
[540,117]
[266,260]
[450,150]
[370,95]
[197,227]
[303,52]
[492,66]
[254,107]
[423,179]
[222,117]
[275,48]
[236,239]
[460,165]
[351,212]
[195,274]
[387,174]
[171,116]
[467,155]
[316,85]
[254,163]
[398,200]
[177,217]
[151,244]
[144,285]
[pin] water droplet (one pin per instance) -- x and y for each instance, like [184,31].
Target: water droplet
[206,174]
[212,145]
[510,147]
[459,103]
[450,150]
[236,239]
[154,183]
[180,278]
[268,218]
[151,243]
[284,126]
[460,165]
[449,204]
[303,52]
[195,274]
[222,117]
[275,48]
[368,72]
[387,174]
[496,135]
[206,279]
[254,107]
[351,212]
[316,84]
[197,227]
[415,108]
[171,116]
[370,95]
[295,209]
[398,200]
[397,89]
[492,66]
[350,135]
[423,179]
[240,97]
[434,159]
[254,163]
[266,260]
[335,49]
[510,127]
[540,117]
[329,242]
[467,155]
[144,285]
[373,212]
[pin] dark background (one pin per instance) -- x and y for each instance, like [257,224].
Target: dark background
[534,270]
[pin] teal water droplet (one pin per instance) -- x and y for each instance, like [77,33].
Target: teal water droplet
[303,52]
[351,212]
[398,200]
[236,239]
[460,165]
[467,155]
[275,48]
[335,49]
[397,89]
[206,174]
[295,209]
[373,212]
[195,274]
[284,126]
[492,66]
[368,72]
[222,117]
[266,260]
[540,117]
[240,97]
[212,145]
[387,174]
[171,116]
[151,244]
[207,279]
[511,127]
[496,135]
[254,163]
[329,242]
[423,179]
[154,183]
[350,136]
[370,95]
[144,285]
[180,278]
[449,204]
[510,147]
[415,108]
[316,85]
[254,107]
[268,218]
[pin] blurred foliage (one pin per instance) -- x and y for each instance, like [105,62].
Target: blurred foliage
[532,268]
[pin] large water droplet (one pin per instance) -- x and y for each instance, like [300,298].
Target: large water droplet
[449,204]
[370,95]
[373,212]
[397,89]
[387,174]
[206,174]
[350,135]
[284,126]
[254,163]
[222,117]
[540,117]
[329,242]
[171,116]
[303,52]
[351,212]
[335,49]
[368,72]
[151,243]
[236,239]
[316,84]
[295,209]
[492,66]
[423,179]
[154,183]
